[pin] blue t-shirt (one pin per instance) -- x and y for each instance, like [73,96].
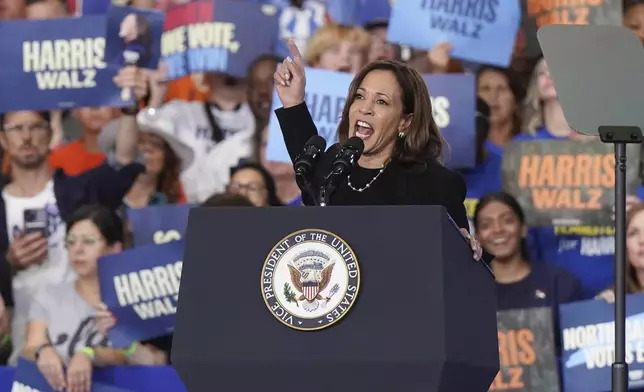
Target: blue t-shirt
[586,251]
[481,180]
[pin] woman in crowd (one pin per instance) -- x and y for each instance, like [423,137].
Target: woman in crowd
[253,181]
[388,107]
[588,255]
[338,48]
[165,157]
[62,330]
[501,229]
[497,123]
[634,254]
[498,88]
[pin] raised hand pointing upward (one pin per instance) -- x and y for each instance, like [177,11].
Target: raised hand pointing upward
[290,80]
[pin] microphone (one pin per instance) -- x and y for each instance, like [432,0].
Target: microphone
[313,150]
[343,164]
[305,162]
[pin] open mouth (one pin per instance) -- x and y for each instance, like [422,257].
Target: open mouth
[363,129]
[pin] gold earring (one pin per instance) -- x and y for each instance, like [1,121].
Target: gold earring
[401,134]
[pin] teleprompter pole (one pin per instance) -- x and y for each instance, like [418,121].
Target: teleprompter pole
[620,136]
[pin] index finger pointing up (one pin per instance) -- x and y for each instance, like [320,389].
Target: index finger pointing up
[297,57]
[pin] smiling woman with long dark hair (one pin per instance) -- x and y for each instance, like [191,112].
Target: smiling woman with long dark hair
[501,228]
[389,108]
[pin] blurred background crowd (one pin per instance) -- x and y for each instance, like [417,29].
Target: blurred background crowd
[88,166]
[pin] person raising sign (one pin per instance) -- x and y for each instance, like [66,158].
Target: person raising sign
[389,108]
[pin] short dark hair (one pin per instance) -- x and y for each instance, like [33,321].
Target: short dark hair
[45,115]
[263,58]
[227,200]
[108,223]
[269,182]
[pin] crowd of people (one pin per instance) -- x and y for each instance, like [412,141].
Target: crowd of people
[201,140]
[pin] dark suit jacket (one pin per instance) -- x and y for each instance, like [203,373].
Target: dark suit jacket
[421,184]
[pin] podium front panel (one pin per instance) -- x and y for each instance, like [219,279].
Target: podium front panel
[416,277]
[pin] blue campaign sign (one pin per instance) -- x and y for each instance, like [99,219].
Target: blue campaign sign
[454,105]
[326,93]
[224,37]
[453,101]
[140,286]
[158,224]
[27,378]
[587,344]
[56,64]
[373,11]
[481,31]
[93,7]
[133,36]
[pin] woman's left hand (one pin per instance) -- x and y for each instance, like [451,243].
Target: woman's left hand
[79,373]
[476,247]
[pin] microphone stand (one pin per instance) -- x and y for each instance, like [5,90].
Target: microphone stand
[328,187]
[304,184]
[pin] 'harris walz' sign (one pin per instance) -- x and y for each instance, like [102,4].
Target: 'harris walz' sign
[526,351]
[538,13]
[561,182]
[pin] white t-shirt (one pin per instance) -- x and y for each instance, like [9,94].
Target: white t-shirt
[54,269]
[191,126]
[223,157]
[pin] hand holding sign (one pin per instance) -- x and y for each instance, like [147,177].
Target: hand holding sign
[439,57]
[607,295]
[290,79]
[132,79]
[105,320]
[51,366]
[27,249]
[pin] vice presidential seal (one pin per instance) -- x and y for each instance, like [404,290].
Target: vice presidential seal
[310,280]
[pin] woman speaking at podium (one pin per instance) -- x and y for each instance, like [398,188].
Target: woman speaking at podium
[389,108]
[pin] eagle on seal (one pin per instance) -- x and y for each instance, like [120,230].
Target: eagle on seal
[317,282]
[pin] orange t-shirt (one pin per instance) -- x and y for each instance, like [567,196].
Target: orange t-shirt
[73,158]
[185,89]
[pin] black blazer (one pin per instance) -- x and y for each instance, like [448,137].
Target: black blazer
[422,184]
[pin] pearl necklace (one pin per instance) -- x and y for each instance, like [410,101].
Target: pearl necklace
[382,169]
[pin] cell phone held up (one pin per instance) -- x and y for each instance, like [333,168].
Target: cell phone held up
[36,222]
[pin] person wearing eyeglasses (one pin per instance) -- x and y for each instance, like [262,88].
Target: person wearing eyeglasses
[254,182]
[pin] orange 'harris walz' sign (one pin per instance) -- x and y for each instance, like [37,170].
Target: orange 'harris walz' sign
[580,12]
[538,13]
[526,351]
[565,182]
